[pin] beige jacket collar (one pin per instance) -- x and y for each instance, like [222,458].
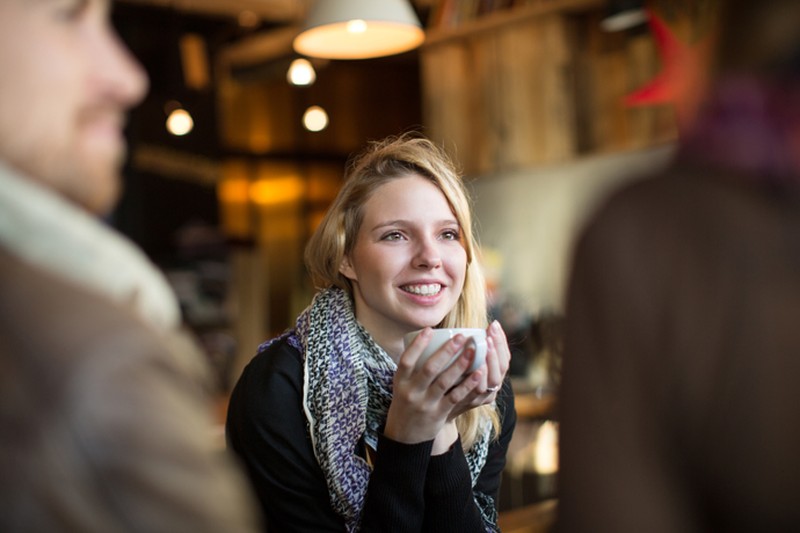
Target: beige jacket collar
[42,228]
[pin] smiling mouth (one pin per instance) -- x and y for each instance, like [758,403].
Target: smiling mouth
[429,289]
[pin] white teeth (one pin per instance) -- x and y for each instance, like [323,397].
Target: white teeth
[424,290]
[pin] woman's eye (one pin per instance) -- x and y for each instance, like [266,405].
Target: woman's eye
[71,10]
[451,235]
[392,236]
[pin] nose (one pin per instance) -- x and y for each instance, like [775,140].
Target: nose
[428,254]
[118,74]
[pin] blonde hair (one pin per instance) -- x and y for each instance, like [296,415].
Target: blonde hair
[381,162]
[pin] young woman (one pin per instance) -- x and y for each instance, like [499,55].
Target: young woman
[337,427]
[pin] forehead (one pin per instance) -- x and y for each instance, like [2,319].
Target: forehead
[412,194]
[30,5]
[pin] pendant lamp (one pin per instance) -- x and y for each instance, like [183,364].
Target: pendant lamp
[359,29]
[623,15]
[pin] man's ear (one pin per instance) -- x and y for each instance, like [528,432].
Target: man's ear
[347,270]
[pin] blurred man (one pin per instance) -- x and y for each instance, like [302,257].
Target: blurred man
[681,382]
[103,403]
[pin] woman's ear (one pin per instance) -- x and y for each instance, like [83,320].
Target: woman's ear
[346,269]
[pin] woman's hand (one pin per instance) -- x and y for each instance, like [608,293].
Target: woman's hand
[498,359]
[425,399]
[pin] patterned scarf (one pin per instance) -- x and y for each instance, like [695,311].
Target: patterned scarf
[347,392]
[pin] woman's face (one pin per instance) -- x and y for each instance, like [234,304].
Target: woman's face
[408,262]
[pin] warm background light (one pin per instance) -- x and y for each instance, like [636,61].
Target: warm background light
[233,192]
[337,41]
[356,26]
[546,449]
[273,191]
[179,122]
[315,118]
[359,29]
[301,72]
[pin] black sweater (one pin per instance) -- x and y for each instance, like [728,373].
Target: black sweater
[408,489]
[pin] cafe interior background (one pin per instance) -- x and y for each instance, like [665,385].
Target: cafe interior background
[546,105]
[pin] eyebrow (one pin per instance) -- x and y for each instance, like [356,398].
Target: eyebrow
[404,223]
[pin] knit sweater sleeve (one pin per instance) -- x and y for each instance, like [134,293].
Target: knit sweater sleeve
[452,503]
[410,490]
[395,497]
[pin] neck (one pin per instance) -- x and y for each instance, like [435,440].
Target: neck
[386,334]
[391,341]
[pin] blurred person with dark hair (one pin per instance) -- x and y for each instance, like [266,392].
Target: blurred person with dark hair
[681,384]
[104,405]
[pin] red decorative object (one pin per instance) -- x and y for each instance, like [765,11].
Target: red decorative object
[679,79]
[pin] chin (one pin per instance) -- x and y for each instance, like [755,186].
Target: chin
[102,191]
[431,322]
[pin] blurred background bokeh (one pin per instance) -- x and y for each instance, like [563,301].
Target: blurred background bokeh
[547,105]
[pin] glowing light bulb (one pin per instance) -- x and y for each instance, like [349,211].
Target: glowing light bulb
[301,72]
[356,26]
[315,118]
[179,122]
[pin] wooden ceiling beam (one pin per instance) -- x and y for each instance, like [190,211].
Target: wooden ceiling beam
[279,11]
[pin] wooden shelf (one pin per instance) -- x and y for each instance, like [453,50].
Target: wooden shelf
[532,406]
[534,518]
[538,84]
[504,17]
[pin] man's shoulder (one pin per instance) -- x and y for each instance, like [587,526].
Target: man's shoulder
[66,326]
[32,297]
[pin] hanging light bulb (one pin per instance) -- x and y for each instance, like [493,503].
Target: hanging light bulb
[623,15]
[179,122]
[315,118]
[359,29]
[301,72]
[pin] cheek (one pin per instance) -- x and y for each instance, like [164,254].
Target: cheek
[457,264]
[54,98]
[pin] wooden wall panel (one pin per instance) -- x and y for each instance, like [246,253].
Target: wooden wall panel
[448,112]
[540,89]
[502,99]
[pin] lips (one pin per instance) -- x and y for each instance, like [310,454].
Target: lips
[423,289]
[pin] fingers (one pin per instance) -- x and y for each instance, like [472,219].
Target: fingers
[498,356]
[422,400]
[440,370]
[408,359]
[458,355]
[494,374]
[463,393]
[442,382]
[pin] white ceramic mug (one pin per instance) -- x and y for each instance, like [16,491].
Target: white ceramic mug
[475,337]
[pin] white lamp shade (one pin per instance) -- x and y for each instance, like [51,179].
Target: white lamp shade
[359,29]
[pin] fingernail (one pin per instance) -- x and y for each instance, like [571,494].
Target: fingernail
[495,326]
